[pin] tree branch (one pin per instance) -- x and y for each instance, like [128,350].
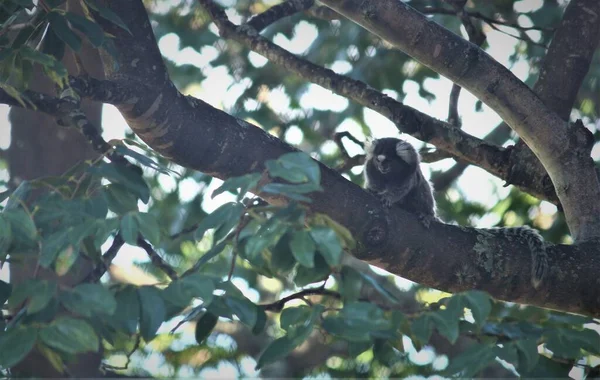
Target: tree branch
[564,150]
[277,12]
[193,134]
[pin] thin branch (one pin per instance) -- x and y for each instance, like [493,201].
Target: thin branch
[277,12]
[136,346]
[277,306]
[349,162]
[107,258]
[523,37]
[156,259]
[490,21]
[477,37]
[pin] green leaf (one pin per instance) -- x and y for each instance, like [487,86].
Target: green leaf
[180,292]
[472,360]
[104,228]
[90,29]
[53,245]
[351,284]
[303,248]
[130,228]
[24,232]
[568,342]
[387,354]
[447,324]
[44,292]
[224,214]
[120,199]
[527,350]
[129,177]
[53,45]
[547,369]
[5,236]
[153,312]
[127,314]
[295,167]
[70,335]
[278,349]
[261,321]
[292,191]
[65,260]
[107,14]
[15,344]
[291,316]
[243,183]
[282,261]
[338,326]
[305,276]
[244,309]
[59,25]
[149,227]
[37,56]
[144,160]
[328,245]
[204,326]
[89,300]
[422,328]
[480,304]
[5,291]
[213,252]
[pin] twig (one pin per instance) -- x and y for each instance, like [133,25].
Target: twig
[138,340]
[490,20]
[156,259]
[236,235]
[526,38]
[349,162]
[107,258]
[477,37]
[453,117]
[277,12]
[277,306]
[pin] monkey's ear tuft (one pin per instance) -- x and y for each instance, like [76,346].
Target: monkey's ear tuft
[369,146]
[406,152]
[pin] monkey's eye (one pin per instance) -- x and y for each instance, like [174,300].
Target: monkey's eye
[380,158]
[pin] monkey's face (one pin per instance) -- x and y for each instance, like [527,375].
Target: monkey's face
[384,155]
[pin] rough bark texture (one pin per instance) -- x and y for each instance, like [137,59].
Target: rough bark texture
[561,74]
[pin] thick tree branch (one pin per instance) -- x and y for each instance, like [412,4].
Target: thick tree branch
[451,258]
[561,74]
[563,149]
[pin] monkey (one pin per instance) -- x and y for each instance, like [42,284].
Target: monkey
[392,172]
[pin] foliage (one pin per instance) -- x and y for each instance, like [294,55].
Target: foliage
[209,265]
